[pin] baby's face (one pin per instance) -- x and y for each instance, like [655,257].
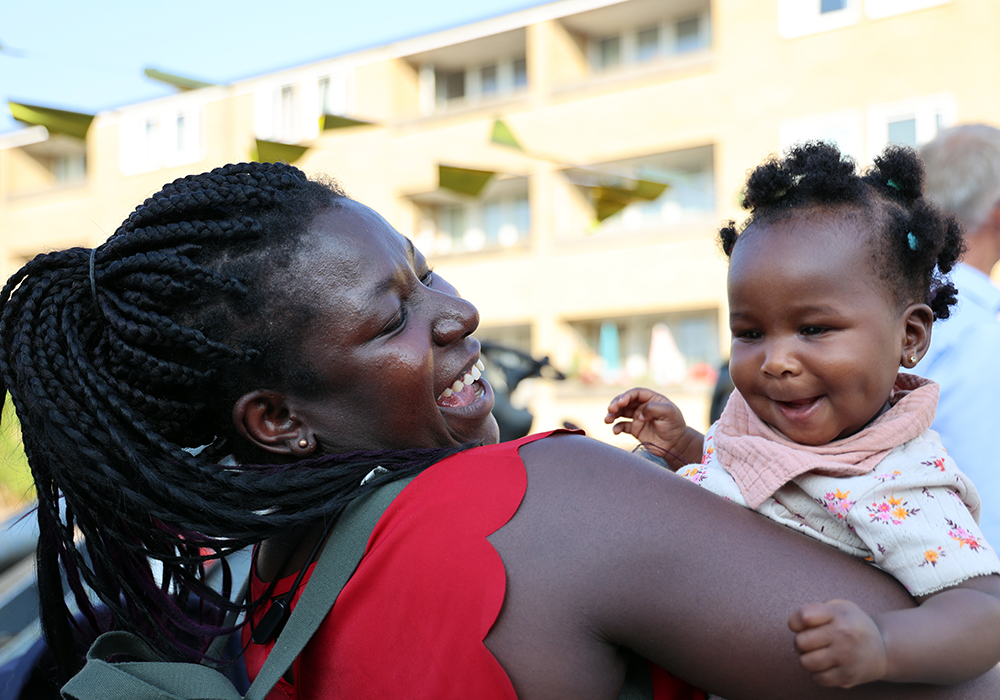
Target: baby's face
[817,338]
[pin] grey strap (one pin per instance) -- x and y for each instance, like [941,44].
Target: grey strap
[147,679]
[150,678]
[336,565]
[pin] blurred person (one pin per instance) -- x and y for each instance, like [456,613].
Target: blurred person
[963,178]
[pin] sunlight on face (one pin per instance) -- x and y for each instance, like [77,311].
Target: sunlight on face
[389,337]
[817,339]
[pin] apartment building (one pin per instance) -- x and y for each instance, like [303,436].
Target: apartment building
[566,166]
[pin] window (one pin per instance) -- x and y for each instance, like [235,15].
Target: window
[903,131]
[181,132]
[689,35]
[648,44]
[450,85]
[661,349]
[520,72]
[488,80]
[803,17]
[152,140]
[608,53]
[168,137]
[689,195]
[451,226]
[470,85]
[844,128]
[287,111]
[909,122]
[69,168]
[336,92]
[502,219]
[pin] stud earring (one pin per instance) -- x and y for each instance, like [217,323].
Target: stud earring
[913,359]
[303,443]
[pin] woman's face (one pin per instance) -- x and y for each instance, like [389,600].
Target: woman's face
[389,341]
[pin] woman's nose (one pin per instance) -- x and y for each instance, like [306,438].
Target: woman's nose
[455,319]
[779,359]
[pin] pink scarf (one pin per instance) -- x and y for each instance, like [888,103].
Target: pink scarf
[761,460]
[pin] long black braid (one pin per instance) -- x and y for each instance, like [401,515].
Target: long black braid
[124,363]
[914,244]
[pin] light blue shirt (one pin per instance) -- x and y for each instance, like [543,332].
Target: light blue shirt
[964,358]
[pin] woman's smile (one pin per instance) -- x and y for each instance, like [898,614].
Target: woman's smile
[461,392]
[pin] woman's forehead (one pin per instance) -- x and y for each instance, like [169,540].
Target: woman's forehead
[353,230]
[351,251]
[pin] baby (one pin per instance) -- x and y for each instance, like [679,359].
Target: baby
[834,283]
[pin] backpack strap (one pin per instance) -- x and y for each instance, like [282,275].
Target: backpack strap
[638,683]
[336,565]
[150,678]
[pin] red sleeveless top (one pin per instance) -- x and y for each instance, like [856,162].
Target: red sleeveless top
[410,623]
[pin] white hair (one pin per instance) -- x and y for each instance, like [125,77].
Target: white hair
[962,167]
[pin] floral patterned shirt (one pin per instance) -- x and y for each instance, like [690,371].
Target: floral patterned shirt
[915,515]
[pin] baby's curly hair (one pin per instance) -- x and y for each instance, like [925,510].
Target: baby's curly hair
[914,244]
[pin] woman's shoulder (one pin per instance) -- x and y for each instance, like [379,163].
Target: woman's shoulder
[575,456]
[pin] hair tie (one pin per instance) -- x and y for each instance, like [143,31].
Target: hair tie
[912,241]
[93,284]
[893,184]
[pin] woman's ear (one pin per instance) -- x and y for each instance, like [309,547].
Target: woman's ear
[264,418]
[917,334]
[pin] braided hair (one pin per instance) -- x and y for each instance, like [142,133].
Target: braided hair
[914,244]
[123,364]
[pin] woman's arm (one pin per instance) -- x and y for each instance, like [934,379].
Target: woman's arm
[607,551]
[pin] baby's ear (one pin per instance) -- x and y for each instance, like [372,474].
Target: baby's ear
[919,320]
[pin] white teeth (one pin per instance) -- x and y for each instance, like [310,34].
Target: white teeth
[468,378]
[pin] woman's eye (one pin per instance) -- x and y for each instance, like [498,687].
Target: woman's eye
[427,277]
[396,322]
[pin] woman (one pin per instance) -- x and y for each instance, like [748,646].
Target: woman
[254,313]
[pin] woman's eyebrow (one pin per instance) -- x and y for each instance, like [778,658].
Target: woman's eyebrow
[391,281]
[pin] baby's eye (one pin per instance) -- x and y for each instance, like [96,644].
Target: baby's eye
[813,330]
[748,335]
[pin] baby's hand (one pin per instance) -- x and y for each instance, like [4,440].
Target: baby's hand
[840,644]
[656,421]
